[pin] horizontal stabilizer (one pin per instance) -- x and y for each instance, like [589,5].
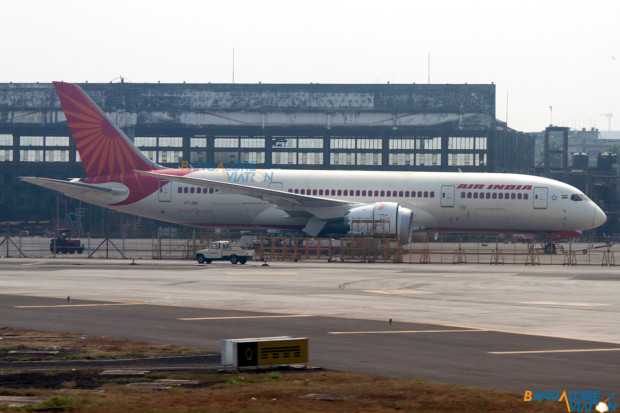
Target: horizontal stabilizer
[109,192]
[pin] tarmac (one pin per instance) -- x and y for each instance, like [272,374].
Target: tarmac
[510,327]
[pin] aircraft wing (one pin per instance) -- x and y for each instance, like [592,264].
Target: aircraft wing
[321,208]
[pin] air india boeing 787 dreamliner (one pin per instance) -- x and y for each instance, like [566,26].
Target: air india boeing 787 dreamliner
[120,177]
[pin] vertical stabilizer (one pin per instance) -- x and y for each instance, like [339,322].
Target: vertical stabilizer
[103,147]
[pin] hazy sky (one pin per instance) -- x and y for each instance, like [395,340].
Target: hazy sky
[564,54]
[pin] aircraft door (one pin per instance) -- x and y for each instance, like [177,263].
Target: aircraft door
[165,193]
[540,197]
[447,196]
[275,185]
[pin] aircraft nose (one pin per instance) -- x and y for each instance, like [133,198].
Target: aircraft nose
[599,217]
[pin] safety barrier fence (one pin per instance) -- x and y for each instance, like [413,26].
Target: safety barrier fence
[440,249]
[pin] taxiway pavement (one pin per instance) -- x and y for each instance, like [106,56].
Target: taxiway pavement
[509,327]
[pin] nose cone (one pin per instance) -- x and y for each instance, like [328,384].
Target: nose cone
[599,217]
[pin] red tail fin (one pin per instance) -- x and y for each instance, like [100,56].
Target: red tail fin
[103,147]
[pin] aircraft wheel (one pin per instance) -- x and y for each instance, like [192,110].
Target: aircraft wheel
[234,259]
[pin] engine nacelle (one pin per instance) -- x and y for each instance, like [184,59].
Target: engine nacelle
[381,218]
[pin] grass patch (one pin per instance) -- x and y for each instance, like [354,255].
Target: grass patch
[21,345]
[286,391]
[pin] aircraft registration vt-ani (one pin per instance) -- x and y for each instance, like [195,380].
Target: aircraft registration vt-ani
[120,177]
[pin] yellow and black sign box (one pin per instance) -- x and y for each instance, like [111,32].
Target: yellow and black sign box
[266,351]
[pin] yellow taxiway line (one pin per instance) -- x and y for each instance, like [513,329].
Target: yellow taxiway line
[247,317]
[406,331]
[579,350]
[75,305]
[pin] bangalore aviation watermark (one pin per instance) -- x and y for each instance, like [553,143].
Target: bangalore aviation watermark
[576,401]
[235,171]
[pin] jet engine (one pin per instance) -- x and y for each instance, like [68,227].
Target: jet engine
[381,218]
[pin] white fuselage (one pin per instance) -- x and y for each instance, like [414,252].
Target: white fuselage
[440,201]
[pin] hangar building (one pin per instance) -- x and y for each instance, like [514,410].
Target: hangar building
[408,127]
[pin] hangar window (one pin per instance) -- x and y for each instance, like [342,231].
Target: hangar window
[283,142]
[6,139]
[31,155]
[57,156]
[6,155]
[252,143]
[310,143]
[141,141]
[198,142]
[227,142]
[174,142]
[56,141]
[342,143]
[169,156]
[31,141]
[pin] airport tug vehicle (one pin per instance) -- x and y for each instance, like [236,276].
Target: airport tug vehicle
[63,244]
[224,251]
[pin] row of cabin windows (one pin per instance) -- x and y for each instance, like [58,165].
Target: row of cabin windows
[196,190]
[363,192]
[494,195]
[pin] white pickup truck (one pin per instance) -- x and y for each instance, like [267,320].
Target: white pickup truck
[224,251]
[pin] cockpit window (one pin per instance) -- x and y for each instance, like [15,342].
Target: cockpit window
[576,197]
